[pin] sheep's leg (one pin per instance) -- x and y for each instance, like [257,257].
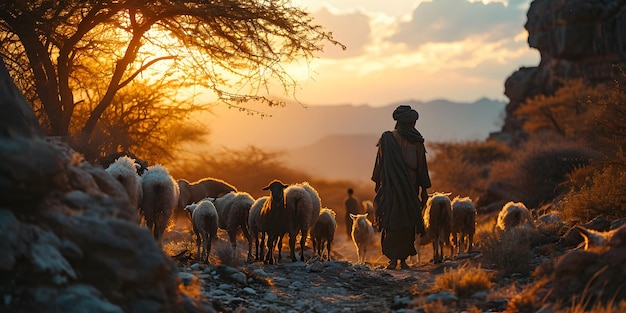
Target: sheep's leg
[470,242]
[280,247]
[305,234]
[271,241]
[457,243]
[246,233]
[292,246]
[328,243]
[262,244]
[436,250]
[206,246]
[198,242]
[232,237]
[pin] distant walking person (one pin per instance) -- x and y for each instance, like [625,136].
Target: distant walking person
[352,207]
[402,180]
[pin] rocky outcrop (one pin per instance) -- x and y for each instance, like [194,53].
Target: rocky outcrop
[576,39]
[69,238]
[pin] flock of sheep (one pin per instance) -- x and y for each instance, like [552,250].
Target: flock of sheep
[294,209]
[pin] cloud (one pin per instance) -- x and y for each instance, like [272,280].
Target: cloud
[456,20]
[351,29]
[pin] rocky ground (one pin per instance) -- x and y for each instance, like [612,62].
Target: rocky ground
[339,285]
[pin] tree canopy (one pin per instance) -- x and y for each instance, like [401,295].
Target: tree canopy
[73,59]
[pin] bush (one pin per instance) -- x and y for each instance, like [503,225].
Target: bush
[509,251]
[463,168]
[464,281]
[598,189]
[537,170]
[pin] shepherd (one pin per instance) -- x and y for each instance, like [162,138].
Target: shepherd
[401,177]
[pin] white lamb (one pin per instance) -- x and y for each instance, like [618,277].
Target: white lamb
[514,214]
[254,227]
[323,232]
[160,195]
[363,235]
[204,220]
[124,170]
[463,224]
[233,210]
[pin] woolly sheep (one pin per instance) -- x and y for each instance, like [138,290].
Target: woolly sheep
[204,220]
[275,219]
[303,203]
[124,170]
[514,214]
[233,209]
[323,232]
[438,222]
[160,193]
[254,227]
[201,189]
[363,235]
[463,224]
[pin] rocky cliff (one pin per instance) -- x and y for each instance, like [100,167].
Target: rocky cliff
[576,39]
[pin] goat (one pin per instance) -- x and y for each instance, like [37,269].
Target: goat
[362,235]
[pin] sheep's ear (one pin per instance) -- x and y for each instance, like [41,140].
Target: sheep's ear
[266,187]
[353,216]
[285,186]
[211,199]
[365,214]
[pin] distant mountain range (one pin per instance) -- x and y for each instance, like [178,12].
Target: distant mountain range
[339,142]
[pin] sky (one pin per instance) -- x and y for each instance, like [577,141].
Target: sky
[399,50]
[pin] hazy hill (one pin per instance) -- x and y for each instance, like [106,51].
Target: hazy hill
[339,141]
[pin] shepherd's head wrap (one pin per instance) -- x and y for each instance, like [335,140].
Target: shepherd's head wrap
[405,118]
[404,114]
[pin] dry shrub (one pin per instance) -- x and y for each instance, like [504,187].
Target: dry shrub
[463,168]
[509,250]
[537,170]
[464,281]
[598,189]
[527,300]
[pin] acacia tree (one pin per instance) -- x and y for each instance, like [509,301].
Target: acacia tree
[235,48]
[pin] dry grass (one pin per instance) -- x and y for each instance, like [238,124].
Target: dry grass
[509,251]
[464,281]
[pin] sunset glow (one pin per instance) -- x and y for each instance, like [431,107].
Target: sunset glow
[419,50]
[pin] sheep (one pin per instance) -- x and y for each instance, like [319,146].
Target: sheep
[463,224]
[275,219]
[362,235]
[160,193]
[204,220]
[254,227]
[438,221]
[514,214]
[323,232]
[304,205]
[196,191]
[124,170]
[233,209]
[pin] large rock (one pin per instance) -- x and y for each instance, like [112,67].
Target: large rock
[69,239]
[576,39]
